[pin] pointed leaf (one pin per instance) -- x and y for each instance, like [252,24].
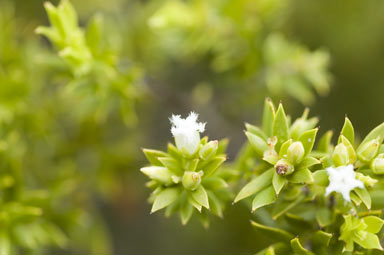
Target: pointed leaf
[371,241]
[263,198]
[308,139]
[278,182]
[256,131]
[258,144]
[186,213]
[308,162]
[364,196]
[325,142]
[200,195]
[172,164]
[348,131]
[374,224]
[257,184]
[280,126]
[375,133]
[153,155]
[214,183]
[165,198]
[213,165]
[268,117]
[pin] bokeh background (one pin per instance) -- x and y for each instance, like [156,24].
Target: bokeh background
[219,58]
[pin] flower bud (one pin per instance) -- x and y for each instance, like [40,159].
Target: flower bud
[378,164]
[369,150]
[283,167]
[208,150]
[191,180]
[158,173]
[295,153]
[340,155]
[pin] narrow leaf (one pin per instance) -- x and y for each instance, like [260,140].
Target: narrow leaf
[153,155]
[301,176]
[280,126]
[165,198]
[348,132]
[268,117]
[263,198]
[200,195]
[278,182]
[257,143]
[364,196]
[255,185]
[308,139]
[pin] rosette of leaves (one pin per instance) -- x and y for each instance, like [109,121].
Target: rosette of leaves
[97,76]
[283,150]
[363,158]
[183,183]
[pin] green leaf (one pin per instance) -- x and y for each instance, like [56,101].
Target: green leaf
[194,203]
[284,149]
[268,117]
[371,241]
[210,168]
[320,178]
[200,195]
[280,127]
[274,233]
[374,224]
[308,139]
[364,196]
[263,198]
[172,164]
[257,143]
[165,198]
[186,213]
[278,182]
[298,248]
[325,142]
[321,238]
[173,151]
[215,204]
[283,207]
[323,217]
[350,149]
[153,155]
[214,183]
[375,133]
[256,131]
[308,162]
[257,184]
[301,176]
[347,131]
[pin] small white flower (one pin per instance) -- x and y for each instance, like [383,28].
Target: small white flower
[342,180]
[187,132]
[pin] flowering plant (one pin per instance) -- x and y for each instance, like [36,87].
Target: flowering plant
[309,197]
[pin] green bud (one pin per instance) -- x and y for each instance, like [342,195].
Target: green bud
[158,173]
[208,150]
[378,164]
[295,153]
[283,167]
[368,181]
[340,155]
[191,180]
[369,150]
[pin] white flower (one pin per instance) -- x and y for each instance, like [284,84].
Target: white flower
[342,180]
[187,132]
